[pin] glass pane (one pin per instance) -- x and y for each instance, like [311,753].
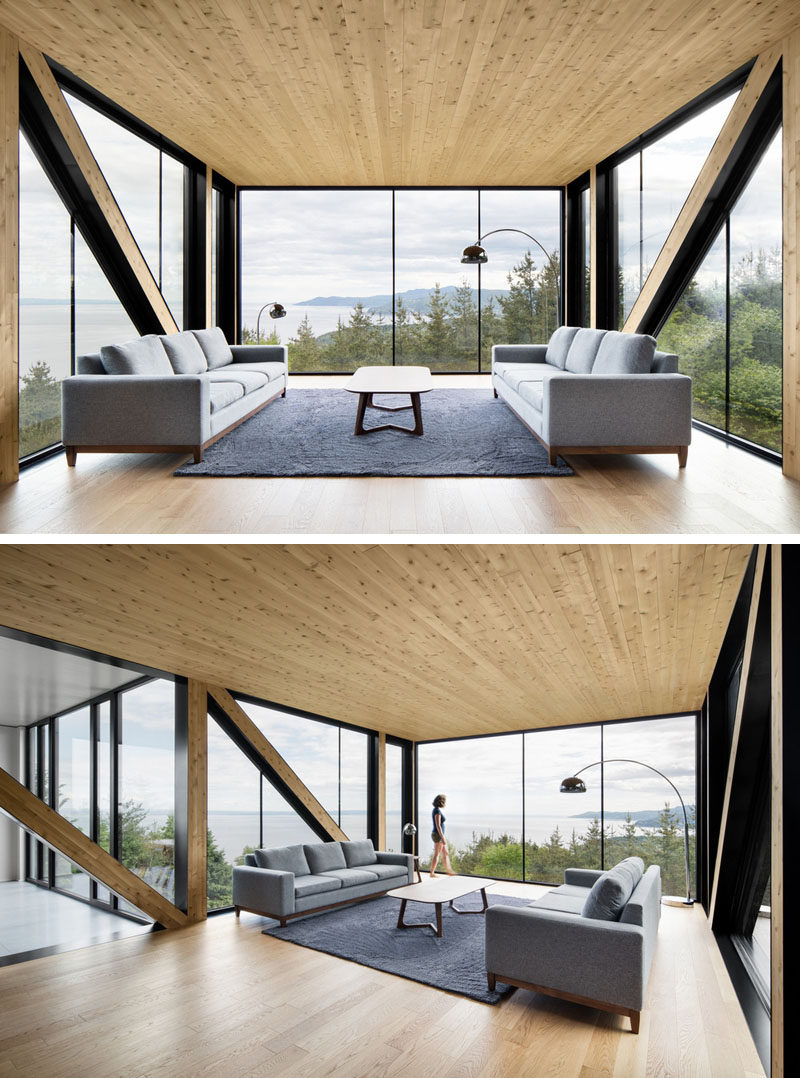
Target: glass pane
[586,222]
[281,824]
[756,305]
[520,285]
[73,746]
[130,166]
[215,198]
[45,344]
[354,784]
[172,182]
[394,798]
[436,310]
[482,780]
[643,815]
[561,830]
[695,332]
[327,257]
[104,786]
[100,318]
[629,221]
[147,784]
[234,804]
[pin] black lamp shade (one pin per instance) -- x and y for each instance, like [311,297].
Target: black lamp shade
[409,829]
[474,255]
[277,310]
[573,786]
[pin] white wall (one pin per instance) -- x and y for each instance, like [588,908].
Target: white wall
[10,761]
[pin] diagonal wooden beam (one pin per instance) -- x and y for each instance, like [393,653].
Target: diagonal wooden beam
[197,808]
[79,147]
[731,130]
[262,745]
[755,598]
[9,258]
[46,824]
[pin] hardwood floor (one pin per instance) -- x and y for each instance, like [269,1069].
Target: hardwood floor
[221,998]
[722,490]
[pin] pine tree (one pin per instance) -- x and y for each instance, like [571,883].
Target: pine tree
[519,306]
[491,332]
[465,324]
[304,350]
[437,334]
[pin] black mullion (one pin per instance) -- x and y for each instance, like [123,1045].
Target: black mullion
[727,324]
[602,800]
[261,811]
[93,786]
[339,819]
[160,219]
[114,732]
[394,289]
[72,343]
[480,319]
[53,796]
[523,807]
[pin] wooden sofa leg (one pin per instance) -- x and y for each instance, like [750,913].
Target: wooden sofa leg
[492,981]
[72,454]
[495,394]
[552,456]
[634,1016]
[198,454]
[284,391]
[683,455]
[237,910]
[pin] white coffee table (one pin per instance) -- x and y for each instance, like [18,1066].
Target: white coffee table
[367,381]
[436,892]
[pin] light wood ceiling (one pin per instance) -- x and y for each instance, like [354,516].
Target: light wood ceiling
[421,641]
[335,92]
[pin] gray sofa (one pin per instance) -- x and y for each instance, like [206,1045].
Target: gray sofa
[590,941]
[597,391]
[290,881]
[172,394]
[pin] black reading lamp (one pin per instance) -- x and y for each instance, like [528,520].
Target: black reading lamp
[276,310]
[574,785]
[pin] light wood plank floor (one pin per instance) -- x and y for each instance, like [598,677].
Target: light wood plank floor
[221,998]
[722,490]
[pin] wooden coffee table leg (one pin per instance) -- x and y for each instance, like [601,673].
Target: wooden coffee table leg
[485,904]
[402,911]
[439,919]
[363,401]
[415,404]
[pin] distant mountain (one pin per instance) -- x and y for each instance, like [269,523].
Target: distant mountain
[416,299]
[646,818]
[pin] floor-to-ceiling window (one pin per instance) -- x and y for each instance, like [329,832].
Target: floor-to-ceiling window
[374,276]
[727,327]
[394,797]
[74,789]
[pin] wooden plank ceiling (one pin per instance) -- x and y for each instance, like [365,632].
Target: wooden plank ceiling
[334,92]
[420,641]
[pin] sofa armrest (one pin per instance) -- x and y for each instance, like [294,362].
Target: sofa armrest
[617,409]
[266,889]
[127,409]
[386,858]
[518,353]
[602,960]
[582,877]
[260,353]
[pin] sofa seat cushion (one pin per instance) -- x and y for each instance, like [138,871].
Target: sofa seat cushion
[572,890]
[608,897]
[625,353]
[271,370]
[184,352]
[216,348]
[324,857]
[315,885]
[351,877]
[145,355]
[560,903]
[284,859]
[532,392]
[390,872]
[222,394]
[514,374]
[583,350]
[558,346]
[359,853]
[250,381]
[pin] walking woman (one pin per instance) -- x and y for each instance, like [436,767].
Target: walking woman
[437,834]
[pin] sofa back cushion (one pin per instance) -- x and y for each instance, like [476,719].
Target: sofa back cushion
[558,347]
[665,363]
[184,352]
[284,859]
[625,353]
[359,853]
[324,856]
[91,363]
[582,351]
[250,860]
[607,898]
[216,349]
[145,355]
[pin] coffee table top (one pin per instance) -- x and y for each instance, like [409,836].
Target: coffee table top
[440,889]
[390,380]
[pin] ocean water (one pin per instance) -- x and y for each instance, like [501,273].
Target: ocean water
[322,319]
[44,332]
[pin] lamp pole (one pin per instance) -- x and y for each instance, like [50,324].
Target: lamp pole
[688,901]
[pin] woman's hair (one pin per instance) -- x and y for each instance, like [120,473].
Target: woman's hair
[439,800]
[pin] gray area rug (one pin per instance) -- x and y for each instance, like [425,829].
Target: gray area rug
[367,933]
[310,433]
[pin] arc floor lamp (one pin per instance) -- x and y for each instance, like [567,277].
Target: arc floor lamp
[276,310]
[475,255]
[574,785]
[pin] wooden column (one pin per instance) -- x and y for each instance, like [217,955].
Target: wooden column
[791,257]
[210,241]
[197,790]
[381,791]
[9,257]
[593,247]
